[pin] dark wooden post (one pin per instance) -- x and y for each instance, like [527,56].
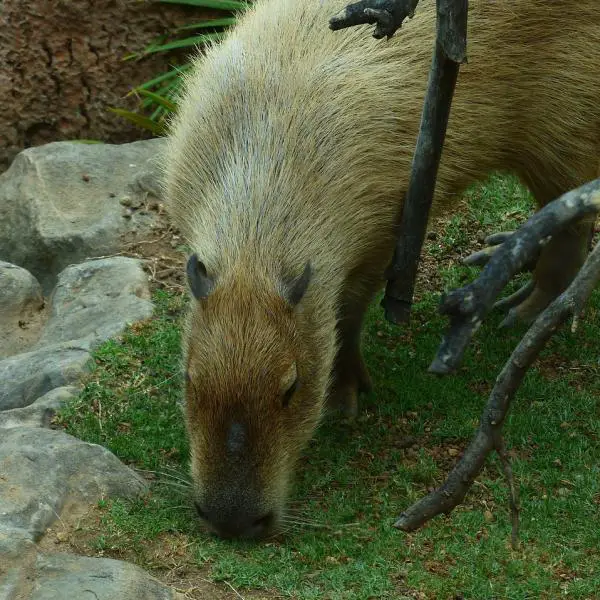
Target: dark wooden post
[449,53]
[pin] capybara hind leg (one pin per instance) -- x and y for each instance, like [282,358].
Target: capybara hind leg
[559,262]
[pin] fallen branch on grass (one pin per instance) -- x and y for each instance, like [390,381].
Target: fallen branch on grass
[468,306]
[489,434]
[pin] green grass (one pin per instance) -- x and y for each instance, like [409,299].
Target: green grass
[354,480]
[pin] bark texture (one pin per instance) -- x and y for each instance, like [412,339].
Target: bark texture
[61,67]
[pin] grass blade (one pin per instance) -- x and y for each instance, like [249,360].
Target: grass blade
[158,99]
[139,120]
[224,22]
[166,76]
[217,4]
[183,43]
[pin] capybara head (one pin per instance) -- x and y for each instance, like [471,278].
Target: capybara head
[250,402]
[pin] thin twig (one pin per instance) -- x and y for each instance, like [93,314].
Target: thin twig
[233,589]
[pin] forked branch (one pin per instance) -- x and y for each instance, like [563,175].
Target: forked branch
[468,306]
[489,434]
[387,15]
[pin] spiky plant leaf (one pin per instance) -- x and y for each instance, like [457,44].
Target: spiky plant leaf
[139,120]
[232,5]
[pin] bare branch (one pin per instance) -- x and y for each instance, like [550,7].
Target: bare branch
[494,242]
[488,435]
[388,15]
[517,297]
[468,306]
[449,52]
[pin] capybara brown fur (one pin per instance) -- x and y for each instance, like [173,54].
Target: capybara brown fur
[284,170]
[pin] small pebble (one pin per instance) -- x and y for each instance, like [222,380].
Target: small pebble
[62,536]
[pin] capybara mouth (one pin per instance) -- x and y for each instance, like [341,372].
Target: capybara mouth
[241,524]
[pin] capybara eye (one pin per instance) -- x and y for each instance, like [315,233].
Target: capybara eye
[287,396]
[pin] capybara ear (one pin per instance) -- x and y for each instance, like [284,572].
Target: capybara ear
[198,280]
[294,289]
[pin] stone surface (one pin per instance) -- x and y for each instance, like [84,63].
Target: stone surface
[43,469]
[60,203]
[14,543]
[59,576]
[95,300]
[25,377]
[21,308]
[40,413]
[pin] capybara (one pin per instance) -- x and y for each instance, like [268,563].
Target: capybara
[284,170]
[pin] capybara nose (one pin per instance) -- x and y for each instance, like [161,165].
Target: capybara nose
[237,523]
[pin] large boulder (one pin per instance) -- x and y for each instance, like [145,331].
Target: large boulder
[65,202]
[27,376]
[92,302]
[59,576]
[40,412]
[96,300]
[44,469]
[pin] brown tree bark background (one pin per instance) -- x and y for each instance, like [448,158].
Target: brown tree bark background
[61,67]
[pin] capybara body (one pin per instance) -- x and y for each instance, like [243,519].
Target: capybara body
[285,167]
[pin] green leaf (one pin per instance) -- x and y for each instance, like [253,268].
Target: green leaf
[218,4]
[158,99]
[224,22]
[167,91]
[139,120]
[165,77]
[183,43]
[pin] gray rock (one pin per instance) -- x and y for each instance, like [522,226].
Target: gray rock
[40,413]
[14,543]
[60,576]
[9,583]
[25,377]
[149,180]
[44,468]
[95,300]
[21,308]
[59,203]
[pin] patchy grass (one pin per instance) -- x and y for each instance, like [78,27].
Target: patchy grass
[355,479]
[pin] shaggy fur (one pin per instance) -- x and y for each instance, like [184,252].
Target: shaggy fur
[294,144]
